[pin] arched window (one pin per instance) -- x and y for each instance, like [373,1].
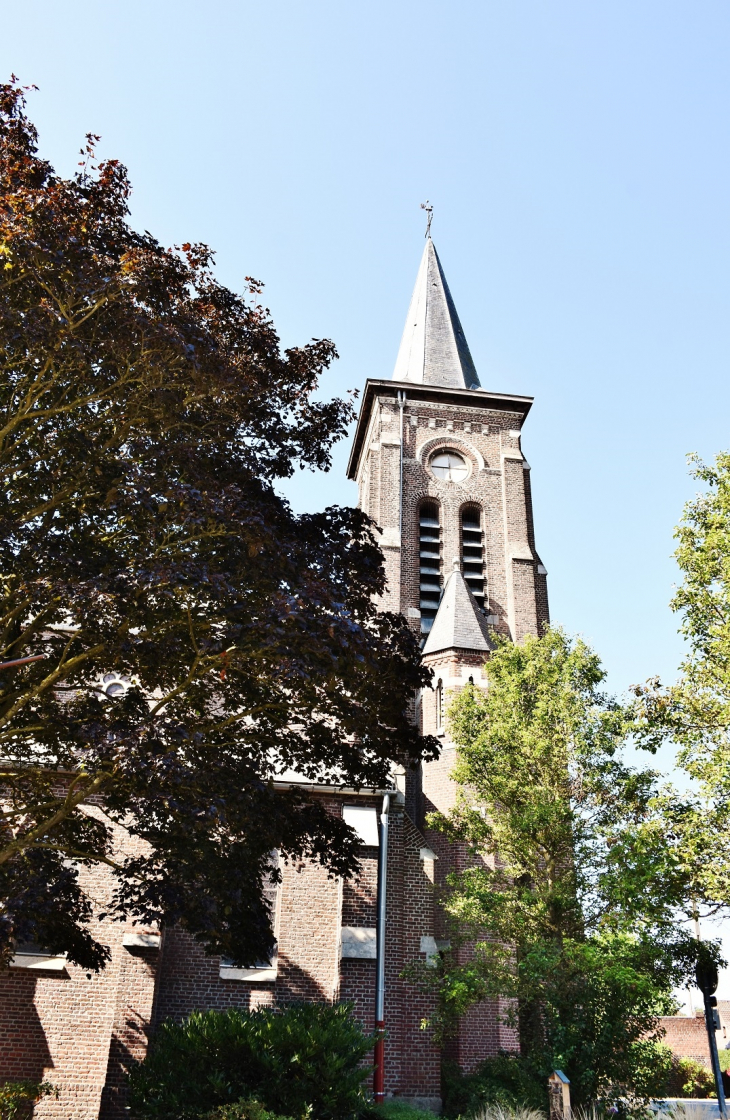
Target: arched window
[472,553]
[114,684]
[429,563]
[439,705]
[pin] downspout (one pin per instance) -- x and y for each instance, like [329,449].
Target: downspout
[401,403]
[379,1052]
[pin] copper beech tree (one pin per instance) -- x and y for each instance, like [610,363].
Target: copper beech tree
[147,415]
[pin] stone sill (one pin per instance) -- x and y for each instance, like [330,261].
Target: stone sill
[38,962]
[141,941]
[250,975]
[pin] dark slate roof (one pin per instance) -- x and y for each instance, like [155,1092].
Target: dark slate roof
[434,350]
[459,624]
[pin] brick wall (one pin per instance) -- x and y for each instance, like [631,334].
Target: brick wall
[686,1037]
[75,1028]
[81,1032]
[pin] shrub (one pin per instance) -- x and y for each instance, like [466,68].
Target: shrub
[243,1110]
[18,1097]
[503,1080]
[305,1056]
[689,1078]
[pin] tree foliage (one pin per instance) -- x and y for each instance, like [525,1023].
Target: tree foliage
[569,895]
[147,414]
[694,713]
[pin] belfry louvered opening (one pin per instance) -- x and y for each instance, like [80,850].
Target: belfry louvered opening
[472,553]
[429,561]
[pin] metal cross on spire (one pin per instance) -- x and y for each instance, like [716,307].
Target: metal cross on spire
[429,211]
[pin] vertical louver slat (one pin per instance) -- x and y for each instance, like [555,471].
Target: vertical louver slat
[472,554]
[429,564]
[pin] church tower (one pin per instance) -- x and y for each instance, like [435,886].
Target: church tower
[440,469]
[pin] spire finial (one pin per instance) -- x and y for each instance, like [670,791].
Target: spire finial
[429,211]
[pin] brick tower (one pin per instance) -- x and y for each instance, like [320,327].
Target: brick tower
[440,469]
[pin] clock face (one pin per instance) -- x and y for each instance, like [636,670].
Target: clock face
[449,467]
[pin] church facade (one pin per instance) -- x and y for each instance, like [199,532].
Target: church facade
[440,469]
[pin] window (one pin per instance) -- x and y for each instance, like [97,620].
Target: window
[439,705]
[113,684]
[261,971]
[429,560]
[472,554]
[364,820]
[449,467]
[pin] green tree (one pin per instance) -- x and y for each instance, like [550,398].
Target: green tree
[568,899]
[694,713]
[199,639]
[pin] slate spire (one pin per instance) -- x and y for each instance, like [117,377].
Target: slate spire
[434,350]
[459,623]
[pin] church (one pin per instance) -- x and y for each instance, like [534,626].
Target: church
[440,469]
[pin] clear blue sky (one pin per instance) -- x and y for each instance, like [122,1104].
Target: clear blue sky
[577,157]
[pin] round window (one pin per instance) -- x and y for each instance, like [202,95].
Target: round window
[449,466]
[113,684]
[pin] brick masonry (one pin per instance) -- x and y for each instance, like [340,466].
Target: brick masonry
[687,1037]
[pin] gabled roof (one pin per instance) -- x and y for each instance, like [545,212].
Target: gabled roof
[459,624]
[434,350]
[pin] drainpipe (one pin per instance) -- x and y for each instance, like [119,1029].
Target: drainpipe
[379,1052]
[401,403]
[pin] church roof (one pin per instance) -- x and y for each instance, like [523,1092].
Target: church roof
[459,624]
[434,350]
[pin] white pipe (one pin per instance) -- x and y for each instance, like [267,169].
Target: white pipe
[401,403]
[382,909]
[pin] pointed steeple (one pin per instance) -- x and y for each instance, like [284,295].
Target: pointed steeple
[434,350]
[459,623]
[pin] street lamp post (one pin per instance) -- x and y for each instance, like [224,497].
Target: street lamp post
[706,975]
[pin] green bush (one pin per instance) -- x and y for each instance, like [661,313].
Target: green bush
[18,1097]
[689,1078]
[504,1080]
[303,1057]
[243,1110]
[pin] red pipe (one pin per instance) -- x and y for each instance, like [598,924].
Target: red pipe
[379,1064]
[379,1049]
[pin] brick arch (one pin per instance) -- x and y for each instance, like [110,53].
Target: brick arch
[417,496]
[425,498]
[421,499]
[446,441]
